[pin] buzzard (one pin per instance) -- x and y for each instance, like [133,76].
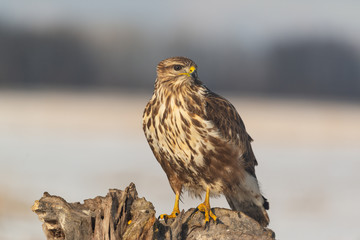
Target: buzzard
[201,142]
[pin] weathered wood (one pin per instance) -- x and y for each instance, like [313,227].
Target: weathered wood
[123,215]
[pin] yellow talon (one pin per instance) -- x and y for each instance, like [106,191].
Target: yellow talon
[129,222]
[205,208]
[176,210]
[166,216]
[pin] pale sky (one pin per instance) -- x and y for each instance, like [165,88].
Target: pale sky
[253,20]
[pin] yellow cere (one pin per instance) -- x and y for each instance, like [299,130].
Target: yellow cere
[191,70]
[129,222]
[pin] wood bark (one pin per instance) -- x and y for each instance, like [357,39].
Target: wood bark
[123,215]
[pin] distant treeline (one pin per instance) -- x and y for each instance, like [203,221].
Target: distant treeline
[65,58]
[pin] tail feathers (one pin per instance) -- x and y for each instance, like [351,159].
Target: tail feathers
[266,204]
[251,209]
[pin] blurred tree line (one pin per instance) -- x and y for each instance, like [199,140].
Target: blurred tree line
[66,58]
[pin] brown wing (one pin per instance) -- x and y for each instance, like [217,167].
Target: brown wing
[225,117]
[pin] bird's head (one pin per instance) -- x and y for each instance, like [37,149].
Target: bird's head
[177,71]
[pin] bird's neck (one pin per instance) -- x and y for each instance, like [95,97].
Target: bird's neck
[168,87]
[188,97]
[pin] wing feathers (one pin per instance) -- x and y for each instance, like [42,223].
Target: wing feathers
[229,123]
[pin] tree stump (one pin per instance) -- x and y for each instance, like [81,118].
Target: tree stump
[123,215]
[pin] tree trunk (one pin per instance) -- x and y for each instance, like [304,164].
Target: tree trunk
[123,215]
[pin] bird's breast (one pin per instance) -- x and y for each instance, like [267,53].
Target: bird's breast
[178,134]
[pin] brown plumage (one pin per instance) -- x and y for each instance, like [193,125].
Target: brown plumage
[200,140]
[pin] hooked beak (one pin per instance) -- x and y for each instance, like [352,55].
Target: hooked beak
[192,72]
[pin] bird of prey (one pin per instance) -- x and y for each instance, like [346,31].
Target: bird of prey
[201,142]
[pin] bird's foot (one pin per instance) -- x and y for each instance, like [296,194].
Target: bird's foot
[205,208]
[172,215]
[175,212]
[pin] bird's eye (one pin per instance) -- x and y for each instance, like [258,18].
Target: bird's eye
[178,67]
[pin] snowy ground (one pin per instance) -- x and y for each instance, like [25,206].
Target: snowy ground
[78,145]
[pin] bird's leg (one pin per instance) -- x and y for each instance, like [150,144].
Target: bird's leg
[205,208]
[175,211]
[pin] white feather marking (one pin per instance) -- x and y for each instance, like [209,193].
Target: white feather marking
[252,186]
